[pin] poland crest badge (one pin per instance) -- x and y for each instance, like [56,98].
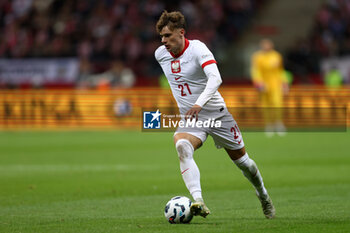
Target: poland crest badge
[175,66]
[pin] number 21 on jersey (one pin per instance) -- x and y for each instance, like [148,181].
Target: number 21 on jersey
[183,91]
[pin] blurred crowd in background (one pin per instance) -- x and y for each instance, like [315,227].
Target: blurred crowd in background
[329,37]
[118,37]
[107,34]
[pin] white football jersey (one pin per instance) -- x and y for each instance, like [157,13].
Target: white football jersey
[186,76]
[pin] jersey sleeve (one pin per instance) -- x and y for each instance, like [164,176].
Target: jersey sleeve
[203,54]
[159,54]
[156,54]
[205,58]
[214,81]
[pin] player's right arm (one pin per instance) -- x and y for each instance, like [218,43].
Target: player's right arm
[159,53]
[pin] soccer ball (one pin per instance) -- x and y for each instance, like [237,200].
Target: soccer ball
[177,210]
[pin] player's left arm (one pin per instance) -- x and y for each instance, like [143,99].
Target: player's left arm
[214,82]
[206,60]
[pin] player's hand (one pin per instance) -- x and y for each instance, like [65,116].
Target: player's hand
[193,112]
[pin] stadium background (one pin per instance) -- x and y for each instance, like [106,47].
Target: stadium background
[82,63]
[87,68]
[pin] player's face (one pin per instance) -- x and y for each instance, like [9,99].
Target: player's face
[173,40]
[266,45]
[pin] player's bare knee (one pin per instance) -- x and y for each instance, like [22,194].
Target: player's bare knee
[236,154]
[184,149]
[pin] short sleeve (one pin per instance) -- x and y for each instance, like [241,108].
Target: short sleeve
[156,54]
[159,53]
[204,56]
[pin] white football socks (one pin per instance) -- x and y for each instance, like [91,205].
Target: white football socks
[189,169]
[251,171]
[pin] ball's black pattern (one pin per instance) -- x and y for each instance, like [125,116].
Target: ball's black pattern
[167,208]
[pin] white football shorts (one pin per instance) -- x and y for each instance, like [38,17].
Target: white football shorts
[226,136]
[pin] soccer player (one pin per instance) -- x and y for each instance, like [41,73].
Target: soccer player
[194,79]
[268,77]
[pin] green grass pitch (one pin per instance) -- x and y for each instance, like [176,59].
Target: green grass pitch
[120,182]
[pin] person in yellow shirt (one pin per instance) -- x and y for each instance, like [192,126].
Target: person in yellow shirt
[268,77]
